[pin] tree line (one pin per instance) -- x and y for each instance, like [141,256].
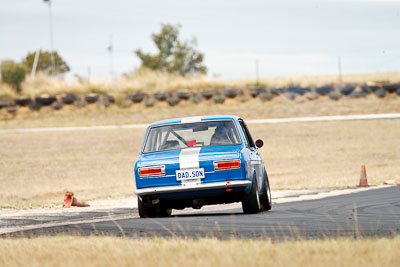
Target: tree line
[173,56]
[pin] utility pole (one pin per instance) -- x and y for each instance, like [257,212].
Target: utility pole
[340,69]
[110,50]
[256,71]
[88,72]
[53,64]
[35,62]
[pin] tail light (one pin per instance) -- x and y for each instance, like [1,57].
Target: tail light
[227,165]
[191,142]
[152,171]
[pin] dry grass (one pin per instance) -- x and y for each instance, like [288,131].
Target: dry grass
[6,91]
[43,84]
[151,81]
[330,154]
[107,251]
[37,168]
[144,81]
[251,109]
[320,80]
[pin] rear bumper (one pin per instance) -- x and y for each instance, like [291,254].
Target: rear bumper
[186,188]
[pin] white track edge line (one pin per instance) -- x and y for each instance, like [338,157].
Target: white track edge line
[259,121]
[64,223]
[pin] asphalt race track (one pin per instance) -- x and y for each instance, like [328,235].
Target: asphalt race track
[362,214]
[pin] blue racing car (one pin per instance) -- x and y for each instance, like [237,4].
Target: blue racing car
[196,161]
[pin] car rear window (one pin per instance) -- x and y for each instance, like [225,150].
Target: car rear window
[199,134]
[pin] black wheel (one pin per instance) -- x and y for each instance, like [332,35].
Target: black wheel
[265,198]
[163,212]
[251,201]
[146,211]
[137,98]
[173,100]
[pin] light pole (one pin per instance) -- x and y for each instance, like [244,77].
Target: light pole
[53,64]
[110,49]
[340,69]
[257,72]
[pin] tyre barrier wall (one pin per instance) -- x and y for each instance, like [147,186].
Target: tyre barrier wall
[216,96]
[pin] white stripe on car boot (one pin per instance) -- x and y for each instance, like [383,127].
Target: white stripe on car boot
[189,158]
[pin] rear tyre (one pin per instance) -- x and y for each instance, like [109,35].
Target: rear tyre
[265,198]
[163,212]
[251,201]
[146,211]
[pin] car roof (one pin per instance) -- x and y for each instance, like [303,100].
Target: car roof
[195,119]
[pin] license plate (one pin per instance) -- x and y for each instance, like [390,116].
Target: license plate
[190,174]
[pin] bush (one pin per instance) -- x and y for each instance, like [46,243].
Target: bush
[174,55]
[13,74]
[44,63]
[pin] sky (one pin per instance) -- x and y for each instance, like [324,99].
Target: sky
[285,37]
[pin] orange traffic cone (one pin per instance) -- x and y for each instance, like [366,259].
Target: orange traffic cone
[70,200]
[363,177]
[68,197]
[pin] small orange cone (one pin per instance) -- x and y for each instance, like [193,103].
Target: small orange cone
[70,200]
[68,197]
[363,177]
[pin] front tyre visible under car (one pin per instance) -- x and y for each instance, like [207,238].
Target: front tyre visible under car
[251,201]
[265,198]
[149,211]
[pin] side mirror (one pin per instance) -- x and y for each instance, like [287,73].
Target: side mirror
[259,143]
